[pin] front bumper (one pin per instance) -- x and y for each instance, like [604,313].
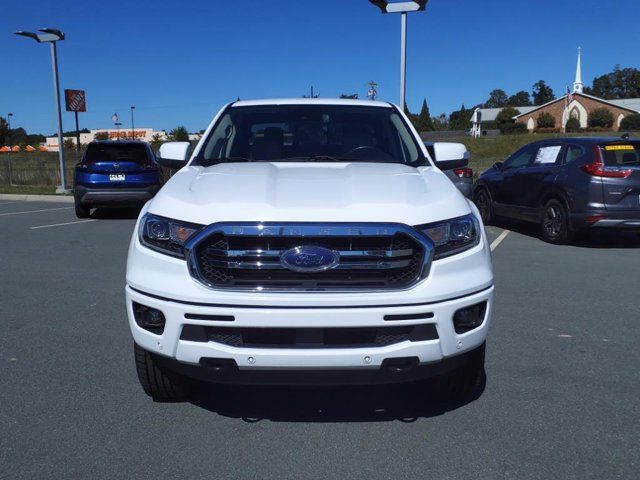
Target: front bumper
[110,196]
[345,365]
[162,282]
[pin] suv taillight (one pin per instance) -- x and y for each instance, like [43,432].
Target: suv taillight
[599,169]
[463,172]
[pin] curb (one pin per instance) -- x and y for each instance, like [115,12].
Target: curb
[37,198]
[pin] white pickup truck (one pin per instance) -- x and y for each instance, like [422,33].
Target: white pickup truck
[309,241]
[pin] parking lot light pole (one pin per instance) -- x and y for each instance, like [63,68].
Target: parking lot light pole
[52,36]
[133,135]
[10,141]
[402,8]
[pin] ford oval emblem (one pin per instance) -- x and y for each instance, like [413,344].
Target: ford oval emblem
[309,259]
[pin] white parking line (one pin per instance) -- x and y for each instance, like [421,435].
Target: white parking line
[7,203]
[35,211]
[61,224]
[500,238]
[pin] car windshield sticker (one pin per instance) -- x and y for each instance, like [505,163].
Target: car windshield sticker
[548,154]
[618,147]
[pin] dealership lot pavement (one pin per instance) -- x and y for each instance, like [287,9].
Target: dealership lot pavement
[561,399]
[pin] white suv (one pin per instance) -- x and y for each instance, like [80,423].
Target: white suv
[309,241]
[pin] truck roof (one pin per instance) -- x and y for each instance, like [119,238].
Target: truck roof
[310,101]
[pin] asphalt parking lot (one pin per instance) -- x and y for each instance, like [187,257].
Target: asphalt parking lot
[561,400]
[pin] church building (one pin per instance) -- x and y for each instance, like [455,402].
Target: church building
[575,104]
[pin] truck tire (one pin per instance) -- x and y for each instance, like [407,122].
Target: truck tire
[82,211]
[159,384]
[466,382]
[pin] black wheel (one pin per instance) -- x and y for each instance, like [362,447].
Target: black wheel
[466,382]
[159,384]
[483,202]
[555,223]
[82,211]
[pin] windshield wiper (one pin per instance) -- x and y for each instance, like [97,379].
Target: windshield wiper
[215,161]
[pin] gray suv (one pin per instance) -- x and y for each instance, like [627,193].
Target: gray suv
[566,185]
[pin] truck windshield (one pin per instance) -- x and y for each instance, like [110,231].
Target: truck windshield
[310,133]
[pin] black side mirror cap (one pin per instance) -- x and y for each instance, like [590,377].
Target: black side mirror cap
[451,164]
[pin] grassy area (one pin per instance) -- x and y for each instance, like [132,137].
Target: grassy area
[40,169]
[28,189]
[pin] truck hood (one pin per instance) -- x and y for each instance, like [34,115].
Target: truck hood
[309,192]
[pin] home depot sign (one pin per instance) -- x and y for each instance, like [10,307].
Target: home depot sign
[127,133]
[75,100]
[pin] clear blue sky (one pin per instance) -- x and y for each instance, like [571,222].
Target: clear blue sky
[178,62]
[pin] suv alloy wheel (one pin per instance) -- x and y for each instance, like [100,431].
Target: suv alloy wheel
[555,223]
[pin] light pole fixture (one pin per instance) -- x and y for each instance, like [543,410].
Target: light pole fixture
[52,36]
[403,8]
[133,135]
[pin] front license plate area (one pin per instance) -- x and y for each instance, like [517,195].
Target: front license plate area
[117,177]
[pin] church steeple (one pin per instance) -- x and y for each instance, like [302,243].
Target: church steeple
[577,84]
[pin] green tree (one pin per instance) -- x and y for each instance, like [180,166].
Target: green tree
[572,125]
[441,122]
[460,119]
[101,136]
[542,93]
[497,99]
[519,99]
[4,132]
[156,141]
[631,122]
[179,134]
[506,116]
[600,118]
[68,144]
[620,83]
[424,122]
[545,120]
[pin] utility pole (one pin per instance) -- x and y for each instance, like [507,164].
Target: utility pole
[373,90]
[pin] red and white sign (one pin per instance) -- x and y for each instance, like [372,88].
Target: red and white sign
[75,100]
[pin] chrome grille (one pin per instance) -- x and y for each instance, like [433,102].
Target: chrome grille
[372,256]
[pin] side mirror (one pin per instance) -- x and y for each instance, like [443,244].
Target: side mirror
[174,154]
[497,166]
[450,155]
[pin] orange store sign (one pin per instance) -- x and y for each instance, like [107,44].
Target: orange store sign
[126,134]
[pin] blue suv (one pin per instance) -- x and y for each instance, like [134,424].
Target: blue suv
[115,173]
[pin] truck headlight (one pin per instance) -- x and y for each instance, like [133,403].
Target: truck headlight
[453,236]
[166,235]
